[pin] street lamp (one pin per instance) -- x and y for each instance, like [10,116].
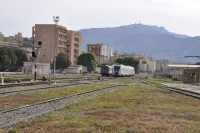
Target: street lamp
[55,19]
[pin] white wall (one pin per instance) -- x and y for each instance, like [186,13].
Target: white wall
[41,68]
[76,69]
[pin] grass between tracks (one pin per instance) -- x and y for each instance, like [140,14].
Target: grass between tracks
[17,100]
[122,80]
[138,109]
[159,81]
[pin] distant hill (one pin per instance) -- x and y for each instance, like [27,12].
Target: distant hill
[152,40]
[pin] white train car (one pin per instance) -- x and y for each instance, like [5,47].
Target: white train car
[122,70]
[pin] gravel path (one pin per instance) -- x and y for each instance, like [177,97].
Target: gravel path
[26,112]
[182,86]
[27,89]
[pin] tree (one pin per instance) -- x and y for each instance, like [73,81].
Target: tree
[62,61]
[88,59]
[22,57]
[119,60]
[4,58]
[12,56]
[130,61]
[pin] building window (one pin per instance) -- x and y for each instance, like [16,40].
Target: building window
[44,29]
[44,55]
[44,36]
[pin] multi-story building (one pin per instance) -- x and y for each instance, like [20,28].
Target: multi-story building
[102,52]
[55,40]
[146,62]
[17,42]
[74,45]
[161,65]
[16,38]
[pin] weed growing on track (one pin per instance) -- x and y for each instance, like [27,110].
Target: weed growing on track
[141,109]
[17,100]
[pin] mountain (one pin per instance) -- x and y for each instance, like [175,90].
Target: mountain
[152,40]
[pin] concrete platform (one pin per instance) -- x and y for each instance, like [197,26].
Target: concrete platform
[188,87]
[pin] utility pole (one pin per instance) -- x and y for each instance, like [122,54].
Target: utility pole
[54,61]
[50,62]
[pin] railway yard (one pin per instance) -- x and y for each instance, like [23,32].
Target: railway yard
[92,103]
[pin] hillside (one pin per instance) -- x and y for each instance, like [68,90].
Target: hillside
[151,40]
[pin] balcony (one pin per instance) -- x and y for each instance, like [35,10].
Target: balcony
[75,53]
[59,45]
[76,48]
[75,42]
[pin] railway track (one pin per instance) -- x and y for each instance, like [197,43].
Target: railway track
[175,89]
[10,117]
[9,91]
[14,83]
[29,87]
[182,91]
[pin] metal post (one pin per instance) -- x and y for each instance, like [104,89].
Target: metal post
[50,62]
[54,61]
[2,79]
[187,75]
[35,59]
[99,57]
[36,52]
[35,69]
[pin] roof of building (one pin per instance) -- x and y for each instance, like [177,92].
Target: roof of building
[172,66]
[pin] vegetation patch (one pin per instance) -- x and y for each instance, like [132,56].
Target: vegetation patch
[121,80]
[17,100]
[131,109]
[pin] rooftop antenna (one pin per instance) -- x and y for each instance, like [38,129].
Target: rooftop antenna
[56,19]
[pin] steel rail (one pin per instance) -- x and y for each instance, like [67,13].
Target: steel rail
[54,101]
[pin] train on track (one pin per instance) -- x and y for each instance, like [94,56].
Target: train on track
[117,70]
[106,70]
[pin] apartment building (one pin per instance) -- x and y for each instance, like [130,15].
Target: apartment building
[12,42]
[74,45]
[103,52]
[146,62]
[55,40]
[16,38]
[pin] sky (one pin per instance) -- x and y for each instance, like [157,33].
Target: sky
[177,16]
